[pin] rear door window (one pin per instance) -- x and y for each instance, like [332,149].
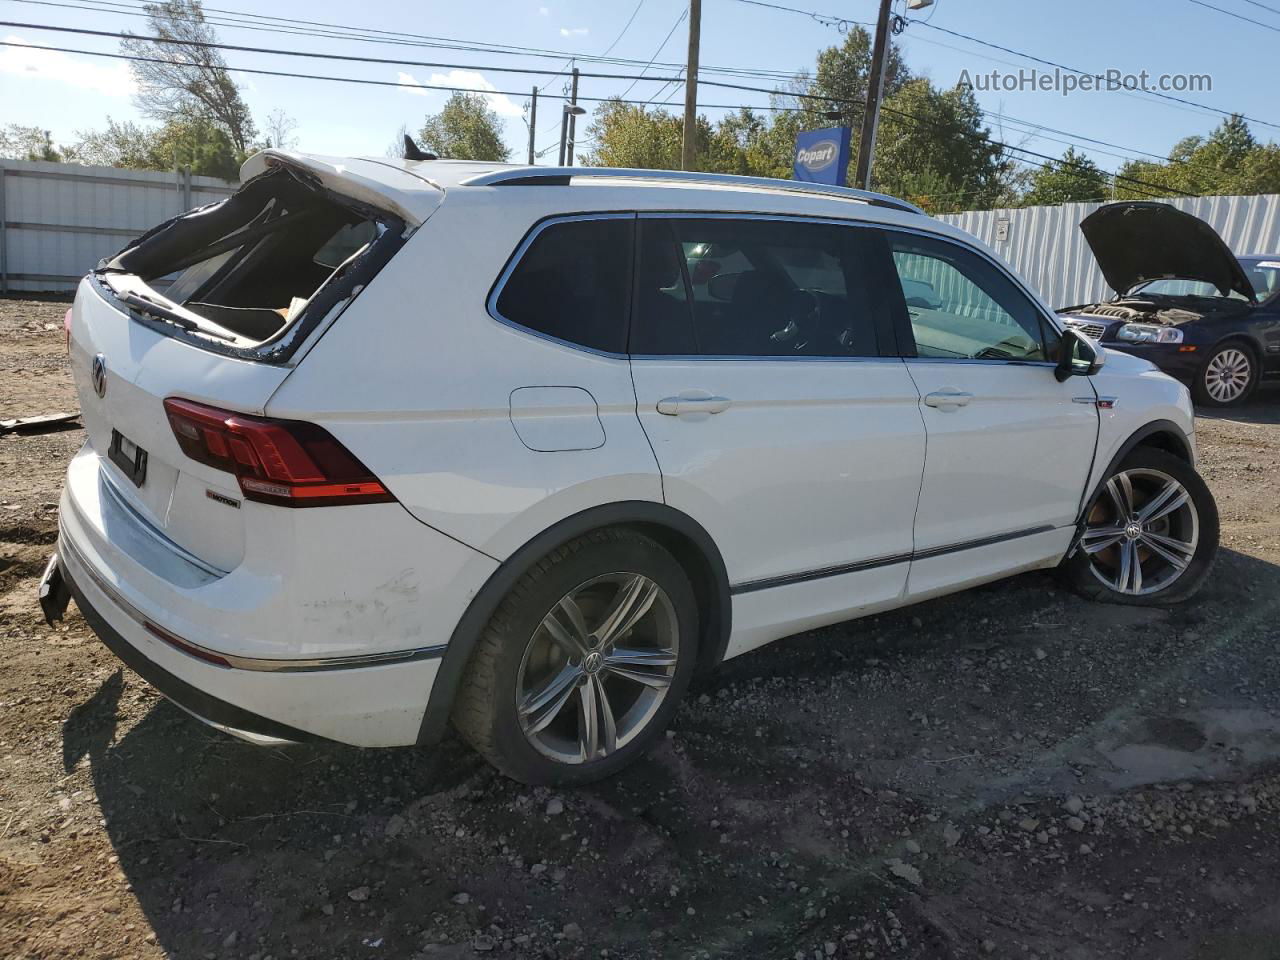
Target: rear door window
[573,283]
[755,288]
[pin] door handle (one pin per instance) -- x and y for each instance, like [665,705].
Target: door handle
[682,406]
[947,400]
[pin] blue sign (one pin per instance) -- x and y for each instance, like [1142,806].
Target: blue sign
[822,156]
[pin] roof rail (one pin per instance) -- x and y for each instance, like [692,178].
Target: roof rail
[560,176]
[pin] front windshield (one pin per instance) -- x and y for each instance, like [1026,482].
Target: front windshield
[1177,287]
[1264,275]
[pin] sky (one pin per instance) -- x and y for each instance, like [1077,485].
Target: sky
[70,92]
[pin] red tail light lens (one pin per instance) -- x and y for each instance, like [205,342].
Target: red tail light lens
[66,329]
[286,462]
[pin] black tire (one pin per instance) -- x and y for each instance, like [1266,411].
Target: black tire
[485,711]
[1085,571]
[1203,385]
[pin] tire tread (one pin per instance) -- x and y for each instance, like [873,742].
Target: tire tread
[473,709]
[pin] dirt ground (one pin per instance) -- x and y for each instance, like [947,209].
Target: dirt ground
[1010,772]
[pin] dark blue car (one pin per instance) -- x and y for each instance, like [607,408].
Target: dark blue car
[1186,303]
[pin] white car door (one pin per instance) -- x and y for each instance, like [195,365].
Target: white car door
[781,418]
[1009,447]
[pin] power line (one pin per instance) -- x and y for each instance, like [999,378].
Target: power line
[450,88]
[625,28]
[512,93]
[389,83]
[1263,6]
[1056,161]
[665,40]
[361,35]
[311,54]
[827,20]
[635,78]
[844,22]
[1085,73]
[355,80]
[1238,16]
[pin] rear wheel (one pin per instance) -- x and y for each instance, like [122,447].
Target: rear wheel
[1150,535]
[583,663]
[1228,376]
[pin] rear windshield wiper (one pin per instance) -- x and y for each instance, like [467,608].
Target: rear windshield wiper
[146,305]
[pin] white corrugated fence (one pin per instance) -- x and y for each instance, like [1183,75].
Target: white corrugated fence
[59,219]
[1045,245]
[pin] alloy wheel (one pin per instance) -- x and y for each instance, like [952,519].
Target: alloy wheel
[1141,533]
[597,668]
[1228,374]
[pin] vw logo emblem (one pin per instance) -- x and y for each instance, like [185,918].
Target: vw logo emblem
[98,375]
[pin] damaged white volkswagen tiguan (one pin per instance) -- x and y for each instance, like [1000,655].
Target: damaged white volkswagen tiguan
[375,446]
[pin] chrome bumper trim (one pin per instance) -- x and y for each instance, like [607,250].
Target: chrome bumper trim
[67,548]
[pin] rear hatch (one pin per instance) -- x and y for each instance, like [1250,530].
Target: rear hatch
[217,306]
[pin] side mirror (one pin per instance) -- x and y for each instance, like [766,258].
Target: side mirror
[1078,356]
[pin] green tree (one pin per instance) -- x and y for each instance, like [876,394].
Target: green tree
[1073,179]
[181,80]
[18,142]
[933,149]
[465,129]
[1229,161]
[199,144]
[627,135]
[931,146]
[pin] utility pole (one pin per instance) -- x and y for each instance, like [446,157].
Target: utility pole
[533,123]
[875,88]
[687,151]
[573,115]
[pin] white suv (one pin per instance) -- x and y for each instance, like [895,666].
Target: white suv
[373,445]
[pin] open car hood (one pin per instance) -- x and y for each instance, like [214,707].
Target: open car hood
[1135,242]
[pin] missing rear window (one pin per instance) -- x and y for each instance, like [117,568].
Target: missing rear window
[254,273]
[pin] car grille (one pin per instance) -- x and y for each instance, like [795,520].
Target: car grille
[1094,330]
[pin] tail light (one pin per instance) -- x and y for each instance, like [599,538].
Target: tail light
[286,462]
[66,329]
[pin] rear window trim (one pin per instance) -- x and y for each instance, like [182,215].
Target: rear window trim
[331,295]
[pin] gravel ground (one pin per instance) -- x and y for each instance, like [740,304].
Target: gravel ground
[1010,772]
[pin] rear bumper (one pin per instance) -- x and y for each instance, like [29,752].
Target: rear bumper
[376,706]
[220,713]
[331,628]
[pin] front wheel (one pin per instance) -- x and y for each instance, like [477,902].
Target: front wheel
[1150,533]
[1228,376]
[583,663]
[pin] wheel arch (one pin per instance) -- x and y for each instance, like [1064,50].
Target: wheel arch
[1161,434]
[1243,337]
[677,532]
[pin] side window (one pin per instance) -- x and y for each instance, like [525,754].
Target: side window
[752,288]
[573,283]
[962,307]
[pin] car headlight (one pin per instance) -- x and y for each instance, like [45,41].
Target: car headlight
[1149,333]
